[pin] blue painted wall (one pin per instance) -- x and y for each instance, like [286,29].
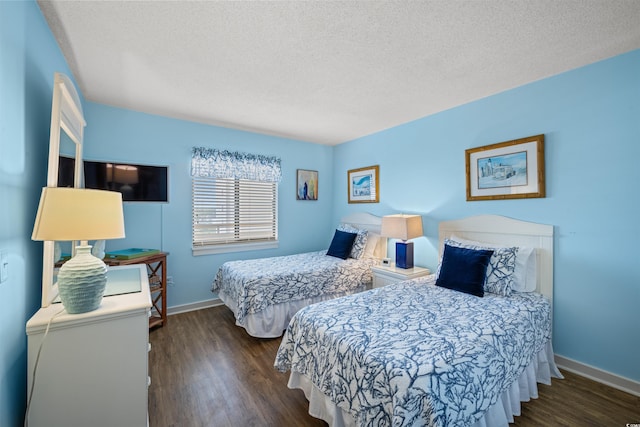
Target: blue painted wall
[29,56]
[590,118]
[122,135]
[591,121]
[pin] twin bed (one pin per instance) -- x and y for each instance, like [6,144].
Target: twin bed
[265,293]
[419,353]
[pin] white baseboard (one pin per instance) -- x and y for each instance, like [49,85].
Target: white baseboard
[604,377]
[193,306]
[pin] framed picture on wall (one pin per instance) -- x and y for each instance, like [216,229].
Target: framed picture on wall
[507,170]
[364,185]
[306,185]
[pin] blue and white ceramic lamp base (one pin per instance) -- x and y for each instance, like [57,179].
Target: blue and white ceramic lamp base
[82,281]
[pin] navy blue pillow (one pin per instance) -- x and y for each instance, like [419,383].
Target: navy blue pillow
[464,269]
[341,244]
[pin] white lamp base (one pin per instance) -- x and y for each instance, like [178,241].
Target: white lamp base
[81,281]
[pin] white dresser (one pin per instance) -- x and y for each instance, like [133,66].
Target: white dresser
[93,367]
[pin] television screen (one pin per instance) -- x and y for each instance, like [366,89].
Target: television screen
[137,183]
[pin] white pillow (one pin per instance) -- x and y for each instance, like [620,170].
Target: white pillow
[372,243]
[526,270]
[525,273]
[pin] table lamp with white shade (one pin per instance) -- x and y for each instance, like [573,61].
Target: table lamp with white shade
[403,227]
[70,214]
[126,175]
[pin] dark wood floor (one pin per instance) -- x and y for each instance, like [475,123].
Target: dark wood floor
[205,371]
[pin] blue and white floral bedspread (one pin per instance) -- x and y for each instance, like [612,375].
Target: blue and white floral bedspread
[259,283]
[413,354]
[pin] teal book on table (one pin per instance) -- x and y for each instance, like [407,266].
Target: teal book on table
[131,253]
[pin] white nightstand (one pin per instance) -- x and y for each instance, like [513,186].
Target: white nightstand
[386,275]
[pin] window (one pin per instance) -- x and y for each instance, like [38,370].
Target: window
[232,213]
[236,214]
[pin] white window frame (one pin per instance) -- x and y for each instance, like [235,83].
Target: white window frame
[233,243]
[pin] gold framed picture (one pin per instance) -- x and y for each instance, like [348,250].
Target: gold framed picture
[363,185]
[506,170]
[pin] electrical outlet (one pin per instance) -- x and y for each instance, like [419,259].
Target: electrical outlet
[4,266]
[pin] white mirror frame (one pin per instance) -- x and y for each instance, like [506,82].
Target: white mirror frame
[66,114]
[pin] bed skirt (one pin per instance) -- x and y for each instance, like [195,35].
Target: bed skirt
[273,320]
[540,370]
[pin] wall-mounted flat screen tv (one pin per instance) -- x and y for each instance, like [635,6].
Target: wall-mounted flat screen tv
[137,183]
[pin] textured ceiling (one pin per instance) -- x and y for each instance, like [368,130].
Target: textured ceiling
[326,72]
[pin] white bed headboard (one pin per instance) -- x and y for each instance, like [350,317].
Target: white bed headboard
[509,232]
[373,223]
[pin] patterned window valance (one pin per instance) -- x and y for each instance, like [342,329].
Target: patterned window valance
[211,163]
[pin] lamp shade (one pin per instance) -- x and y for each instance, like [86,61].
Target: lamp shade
[403,227]
[125,174]
[78,214]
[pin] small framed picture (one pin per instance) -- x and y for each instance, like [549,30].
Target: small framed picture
[364,185]
[507,170]
[306,185]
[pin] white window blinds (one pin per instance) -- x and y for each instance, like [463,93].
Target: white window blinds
[230,213]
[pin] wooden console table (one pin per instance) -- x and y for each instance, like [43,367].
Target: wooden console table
[157,271]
